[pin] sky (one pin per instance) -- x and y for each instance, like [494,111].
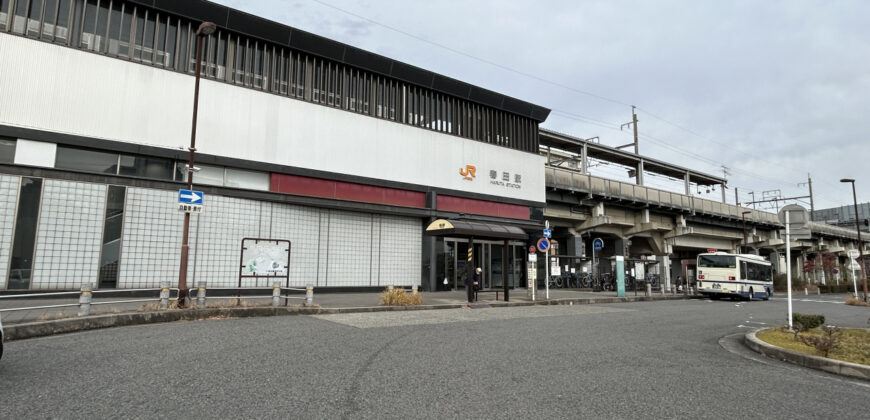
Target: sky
[774,91]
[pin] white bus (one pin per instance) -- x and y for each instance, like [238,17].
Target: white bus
[743,276]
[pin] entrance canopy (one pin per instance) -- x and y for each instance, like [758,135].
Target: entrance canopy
[477,230]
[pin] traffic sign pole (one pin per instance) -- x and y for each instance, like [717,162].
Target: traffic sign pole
[547,266]
[788,267]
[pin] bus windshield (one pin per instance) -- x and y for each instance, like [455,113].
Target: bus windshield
[717,261]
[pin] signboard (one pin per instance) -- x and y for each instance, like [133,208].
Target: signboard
[533,258]
[797,216]
[598,244]
[712,250]
[532,249]
[265,258]
[853,253]
[190,201]
[543,244]
[548,233]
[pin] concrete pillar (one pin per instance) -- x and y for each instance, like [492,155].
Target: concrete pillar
[639,177]
[584,159]
[686,182]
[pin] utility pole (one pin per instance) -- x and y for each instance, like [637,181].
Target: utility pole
[633,124]
[736,200]
[809,184]
[812,207]
[725,174]
[752,193]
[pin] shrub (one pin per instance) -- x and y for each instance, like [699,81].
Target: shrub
[856,302]
[835,288]
[807,321]
[825,343]
[398,297]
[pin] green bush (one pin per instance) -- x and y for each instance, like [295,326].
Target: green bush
[780,283]
[835,288]
[807,321]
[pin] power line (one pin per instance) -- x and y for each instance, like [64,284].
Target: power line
[473,57]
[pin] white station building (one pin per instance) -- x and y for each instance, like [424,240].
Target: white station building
[347,154]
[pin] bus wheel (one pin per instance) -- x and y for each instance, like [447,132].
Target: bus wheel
[714,296]
[767,296]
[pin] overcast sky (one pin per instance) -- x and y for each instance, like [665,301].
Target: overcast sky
[773,90]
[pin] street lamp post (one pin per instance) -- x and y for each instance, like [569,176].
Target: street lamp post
[858,229]
[205,29]
[743,216]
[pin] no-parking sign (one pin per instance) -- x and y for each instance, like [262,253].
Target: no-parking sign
[543,244]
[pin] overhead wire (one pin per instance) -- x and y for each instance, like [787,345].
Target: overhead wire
[585,119]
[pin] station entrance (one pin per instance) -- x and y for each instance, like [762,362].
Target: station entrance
[487,256]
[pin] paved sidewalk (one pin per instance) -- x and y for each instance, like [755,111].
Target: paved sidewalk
[324,299]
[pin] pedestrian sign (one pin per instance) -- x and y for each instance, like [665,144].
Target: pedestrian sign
[598,244]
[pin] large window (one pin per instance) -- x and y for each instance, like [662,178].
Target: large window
[86,160]
[132,31]
[717,261]
[24,238]
[111,251]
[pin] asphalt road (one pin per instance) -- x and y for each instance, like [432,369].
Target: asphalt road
[674,359]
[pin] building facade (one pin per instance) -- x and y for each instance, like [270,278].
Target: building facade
[345,153]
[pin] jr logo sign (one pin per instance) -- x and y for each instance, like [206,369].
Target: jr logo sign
[468,172]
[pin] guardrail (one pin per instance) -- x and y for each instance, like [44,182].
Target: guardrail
[86,296]
[308,298]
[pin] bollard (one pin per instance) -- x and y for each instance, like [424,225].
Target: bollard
[414,290]
[85,300]
[819,291]
[648,290]
[200,295]
[806,292]
[164,295]
[276,294]
[309,295]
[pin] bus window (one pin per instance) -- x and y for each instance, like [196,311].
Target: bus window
[743,270]
[716,261]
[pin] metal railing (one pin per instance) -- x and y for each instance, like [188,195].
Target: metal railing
[276,296]
[86,296]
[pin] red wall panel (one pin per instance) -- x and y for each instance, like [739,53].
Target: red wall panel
[315,187]
[486,208]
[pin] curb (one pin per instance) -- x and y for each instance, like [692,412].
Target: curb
[68,325]
[836,367]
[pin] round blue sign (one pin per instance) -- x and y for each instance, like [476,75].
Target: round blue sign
[543,244]
[598,244]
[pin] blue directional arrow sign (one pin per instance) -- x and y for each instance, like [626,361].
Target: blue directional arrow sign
[190,201]
[190,197]
[548,233]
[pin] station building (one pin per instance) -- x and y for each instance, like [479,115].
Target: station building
[347,154]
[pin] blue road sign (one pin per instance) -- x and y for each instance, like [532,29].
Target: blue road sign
[598,244]
[190,197]
[548,233]
[543,244]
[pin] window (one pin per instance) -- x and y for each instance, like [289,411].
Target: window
[111,250]
[716,261]
[251,180]
[7,150]
[206,175]
[4,13]
[24,238]
[86,160]
[146,167]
